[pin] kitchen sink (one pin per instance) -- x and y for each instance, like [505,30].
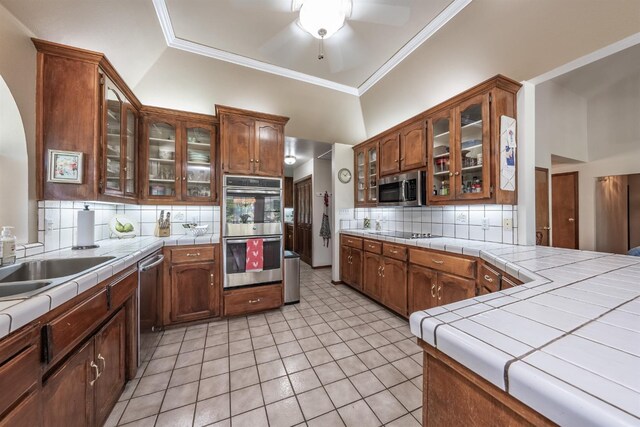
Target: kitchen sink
[22,289]
[49,268]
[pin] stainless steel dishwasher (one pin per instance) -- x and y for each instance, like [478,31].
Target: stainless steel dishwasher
[149,301]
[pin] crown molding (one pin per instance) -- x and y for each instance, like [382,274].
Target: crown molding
[199,49]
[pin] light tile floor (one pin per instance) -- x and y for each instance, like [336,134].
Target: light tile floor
[334,359]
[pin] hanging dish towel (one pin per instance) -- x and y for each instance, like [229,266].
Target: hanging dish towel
[255,255]
[325,228]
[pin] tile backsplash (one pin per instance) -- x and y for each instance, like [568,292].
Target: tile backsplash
[57,220]
[464,222]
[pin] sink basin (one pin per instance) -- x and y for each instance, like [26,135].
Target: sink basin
[21,289]
[31,271]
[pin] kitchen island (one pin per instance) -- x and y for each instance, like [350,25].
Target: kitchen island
[563,347]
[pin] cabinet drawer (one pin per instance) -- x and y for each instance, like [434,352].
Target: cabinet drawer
[18,375]
[488,279]
[64,331]
[394,251]
[26,414]
[446,263]
[353,242]
[249,300]
[121,290]
[192,254]
[372,246]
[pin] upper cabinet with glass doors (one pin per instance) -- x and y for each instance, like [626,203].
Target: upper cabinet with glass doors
[366,174]
[120,144]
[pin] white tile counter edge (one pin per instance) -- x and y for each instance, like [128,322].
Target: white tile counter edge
[555,268]
[18,312]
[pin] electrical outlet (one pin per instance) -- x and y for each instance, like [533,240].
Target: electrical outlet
[507,224]
[485,223]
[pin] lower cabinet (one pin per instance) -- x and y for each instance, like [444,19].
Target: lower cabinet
[429,288]
[252,299]
[194,292]
[83,390]
[351,266]
[394,285]
[372,275]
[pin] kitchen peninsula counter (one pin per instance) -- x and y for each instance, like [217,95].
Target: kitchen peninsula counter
[15,313]
[566,342]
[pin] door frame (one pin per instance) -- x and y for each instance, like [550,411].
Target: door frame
[576,194]
[295,214]
[546,171]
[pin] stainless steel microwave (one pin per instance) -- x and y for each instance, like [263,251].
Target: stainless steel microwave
[407,189]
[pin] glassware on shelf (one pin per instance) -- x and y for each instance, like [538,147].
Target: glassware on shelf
[162,167]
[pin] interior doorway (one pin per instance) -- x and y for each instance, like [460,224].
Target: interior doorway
[303,219]
[542,207]
[617,213]
[564,210]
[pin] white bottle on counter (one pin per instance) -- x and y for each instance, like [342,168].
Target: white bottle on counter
[7,246]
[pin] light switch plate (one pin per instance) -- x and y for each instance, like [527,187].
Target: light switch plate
[485,223]
[507,224]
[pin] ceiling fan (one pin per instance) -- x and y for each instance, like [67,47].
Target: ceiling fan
[324,19]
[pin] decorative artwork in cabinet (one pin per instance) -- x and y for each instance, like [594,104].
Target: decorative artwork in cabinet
[472,149]
[161,153]
[199,176]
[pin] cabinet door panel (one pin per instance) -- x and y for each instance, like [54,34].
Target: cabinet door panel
[371,275]
[193,291]
[390,154]
[237,144]
[199,172]
[452,288]
[269,149]
[345,265]
[68,393]
[131,152]
[110,358]
[360,180]
[422,288]
[413,146]
[441,161]
[394,288]
[162,154]
[26,414]
[356,268]
[113,127]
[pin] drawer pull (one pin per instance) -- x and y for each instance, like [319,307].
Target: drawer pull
[382,271]
[437,261]
[433,290]
[439,292]
[393,251]
[94,366]
[349,241]
[488,278]
[254,301]
[194,254]
[104,363]
[371,247]
[212,279]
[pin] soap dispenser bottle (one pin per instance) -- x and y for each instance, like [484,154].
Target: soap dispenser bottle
[7,246]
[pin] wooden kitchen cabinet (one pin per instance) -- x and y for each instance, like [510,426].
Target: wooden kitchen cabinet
[413,146]
[453,288]
[390,154]
[366,179]
[178,157]
[288,192]
[372,275]
[394,285]
[351,266]
[248,300]
[422,288]
[252,143]
[83,105]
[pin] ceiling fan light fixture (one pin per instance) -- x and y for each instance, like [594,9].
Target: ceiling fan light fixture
[289,159]
[322,18]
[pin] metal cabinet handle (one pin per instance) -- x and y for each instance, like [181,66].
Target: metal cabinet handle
[457,173]
[194,254]
[439,292]
[546,228]
[349,241]
[251,160]
[392,251]
[396,160]
[104,363]
[450,173]
[488,278]
[433,290]
[571,220]
[257,160]
[437,261]
[382,271]
[371,247]
[184,178]
[212,279]
[177,178]
[254,301]
[94,366]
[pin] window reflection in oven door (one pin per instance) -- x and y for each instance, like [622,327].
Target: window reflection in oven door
[252,212]
[235,260]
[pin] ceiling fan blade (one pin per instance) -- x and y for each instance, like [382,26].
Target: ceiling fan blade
[345,50]
[270,5]
[376,12]
[286,43]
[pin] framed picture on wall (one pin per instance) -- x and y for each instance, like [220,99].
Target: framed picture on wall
[65,167]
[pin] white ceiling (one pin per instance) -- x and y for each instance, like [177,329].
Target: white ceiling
[304,150]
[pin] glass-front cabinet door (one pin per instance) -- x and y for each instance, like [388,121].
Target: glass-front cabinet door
[199,170]
[162,168]
[473,149]
[113,140]
[372,174]
[441,159]
[361,177]
[131,152]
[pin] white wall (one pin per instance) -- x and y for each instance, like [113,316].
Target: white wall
[343,200]
[303,171]
[18,69]
[321,183]
[14,178]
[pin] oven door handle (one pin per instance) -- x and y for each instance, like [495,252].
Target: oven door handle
[276,239]
[230,191]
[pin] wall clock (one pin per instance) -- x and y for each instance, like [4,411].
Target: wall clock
[344,175]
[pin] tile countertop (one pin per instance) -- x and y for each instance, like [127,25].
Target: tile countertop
[566,342]
[16,313]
